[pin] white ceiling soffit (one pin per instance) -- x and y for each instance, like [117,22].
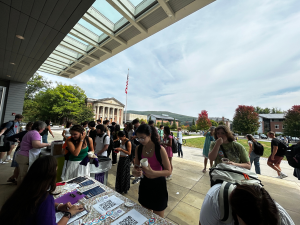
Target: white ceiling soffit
[74,56]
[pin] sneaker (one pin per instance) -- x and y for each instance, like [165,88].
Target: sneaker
[282,175]
[7,160]
[114,164]
[135,181]
[279,177]
[3,162]
[132,177]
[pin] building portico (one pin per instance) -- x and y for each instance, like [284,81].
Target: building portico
[107,109]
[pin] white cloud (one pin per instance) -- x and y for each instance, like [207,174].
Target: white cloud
[224,55]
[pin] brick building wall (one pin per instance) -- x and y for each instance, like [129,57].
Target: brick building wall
[276,126]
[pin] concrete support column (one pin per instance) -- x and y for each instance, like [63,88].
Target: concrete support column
[103,114]
[121,116]
[96,112]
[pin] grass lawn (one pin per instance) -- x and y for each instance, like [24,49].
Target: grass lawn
[199,143]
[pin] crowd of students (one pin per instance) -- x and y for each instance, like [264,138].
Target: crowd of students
[136,142]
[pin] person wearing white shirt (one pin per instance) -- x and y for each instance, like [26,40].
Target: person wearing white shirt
[250,204]
[102,141]
[179,139]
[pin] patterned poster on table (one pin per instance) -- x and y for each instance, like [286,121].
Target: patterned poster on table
[133,217]
[108,204]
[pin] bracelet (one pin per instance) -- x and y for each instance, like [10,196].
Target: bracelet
[82,140]
[58,206]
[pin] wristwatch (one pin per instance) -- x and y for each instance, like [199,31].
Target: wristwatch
[67,214]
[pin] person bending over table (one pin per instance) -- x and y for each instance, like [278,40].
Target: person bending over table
[32,203]
[30,148]
[226,147]
[78,145]
[153,192]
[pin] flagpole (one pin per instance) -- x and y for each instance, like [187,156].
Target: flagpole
[126,96]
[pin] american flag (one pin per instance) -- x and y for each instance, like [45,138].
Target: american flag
[126,89]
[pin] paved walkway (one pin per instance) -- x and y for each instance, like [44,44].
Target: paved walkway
[189,185]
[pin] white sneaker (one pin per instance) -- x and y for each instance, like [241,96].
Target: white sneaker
[279,177]
[3,162]
[282,175]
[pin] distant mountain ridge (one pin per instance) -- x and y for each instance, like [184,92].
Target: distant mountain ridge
[181,118]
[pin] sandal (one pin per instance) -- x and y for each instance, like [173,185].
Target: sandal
[204,171]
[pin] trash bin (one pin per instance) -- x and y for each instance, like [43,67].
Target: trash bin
[100,173]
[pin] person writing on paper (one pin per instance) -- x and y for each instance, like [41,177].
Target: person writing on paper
[153,192]
[32,203]
[78,145]
[30,148]
[226,148]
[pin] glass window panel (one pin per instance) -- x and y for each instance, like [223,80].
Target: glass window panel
[107,10]
[136,2]
[78,39]
[90,27]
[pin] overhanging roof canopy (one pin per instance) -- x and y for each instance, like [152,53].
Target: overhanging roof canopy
[96,37]
[43,24]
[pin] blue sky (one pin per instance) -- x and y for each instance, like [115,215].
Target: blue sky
[227,54]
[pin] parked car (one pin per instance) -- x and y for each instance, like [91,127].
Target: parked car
[256,137]
[295,139]
[263,136]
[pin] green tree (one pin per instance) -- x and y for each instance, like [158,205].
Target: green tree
[245,120]
[292,122]
[35,84]
[61,102]
[221,123]
[158,124]
[167,124]
[150,118]
[192,128]
[174,125]
[85,113]
[214,123]
[193,123]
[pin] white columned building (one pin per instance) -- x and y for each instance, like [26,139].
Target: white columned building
[107,109]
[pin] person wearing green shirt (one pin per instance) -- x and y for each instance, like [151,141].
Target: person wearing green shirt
[226,147]
[161,132]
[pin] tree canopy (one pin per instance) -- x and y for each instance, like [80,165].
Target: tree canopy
[63,102]
[273,110]
[292,122]
[203,123]
[245,120]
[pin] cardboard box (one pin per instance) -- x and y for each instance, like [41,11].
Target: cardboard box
[56,148]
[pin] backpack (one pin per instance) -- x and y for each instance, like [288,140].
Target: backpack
[230,176]
[174,145]
[3,125]
[157,154]
[283,146]
[258,149]
[293,156]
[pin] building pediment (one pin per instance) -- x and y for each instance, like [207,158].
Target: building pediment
[110,101]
